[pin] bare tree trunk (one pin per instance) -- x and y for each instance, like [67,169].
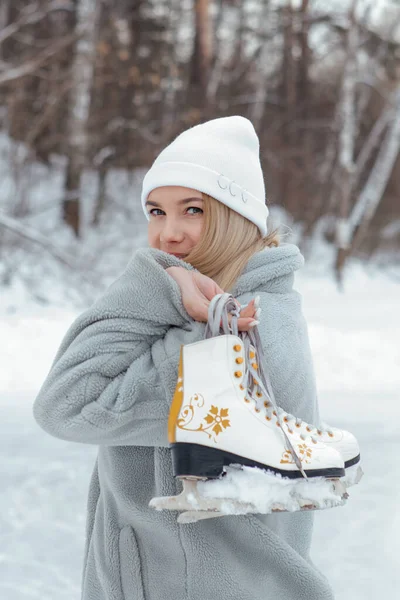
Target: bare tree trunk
[170,106]
[305,58]
[258,108]
[202,53]
[218,59]
[82,72]
[290,74]
[101,196]
[101,163]
[4,19]
[288,183]
[346,167]
[304,139]
[374,188]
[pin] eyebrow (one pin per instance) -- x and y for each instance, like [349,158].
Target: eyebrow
[184,201]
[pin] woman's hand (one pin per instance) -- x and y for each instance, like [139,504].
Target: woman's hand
[197,290]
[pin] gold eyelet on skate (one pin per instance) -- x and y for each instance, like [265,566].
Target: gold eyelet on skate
[274,413]
[290,430]
[247,400]
[331,434]
[255,366]
[286,419]
[252,354]
[238,373]
[319,432]
[266,404]
[308,429]
[255,381]
[239,361]
[237,348]
[258,394]
[314,442]
[268,418]
[298,426]
[241,387]
[257,410]
[278,424]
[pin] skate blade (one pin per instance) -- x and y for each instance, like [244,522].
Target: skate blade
[197,507]
[190,499]
[192,516]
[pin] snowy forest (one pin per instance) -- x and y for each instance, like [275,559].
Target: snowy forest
[90,92]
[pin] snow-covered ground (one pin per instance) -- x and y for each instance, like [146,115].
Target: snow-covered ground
[44,481]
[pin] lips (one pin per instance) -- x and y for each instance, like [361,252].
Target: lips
[178,255]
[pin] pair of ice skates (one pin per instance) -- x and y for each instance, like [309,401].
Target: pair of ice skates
[234,449]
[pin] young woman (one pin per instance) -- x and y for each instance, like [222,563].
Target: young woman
[115,373]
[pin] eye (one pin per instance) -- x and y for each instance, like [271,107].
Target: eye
[195,208]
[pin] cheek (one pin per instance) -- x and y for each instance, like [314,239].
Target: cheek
[153,236]
[197,230]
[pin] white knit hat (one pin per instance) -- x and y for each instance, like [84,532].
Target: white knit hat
[219,158]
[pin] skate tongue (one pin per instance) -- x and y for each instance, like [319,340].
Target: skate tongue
[252,338]
[219,308]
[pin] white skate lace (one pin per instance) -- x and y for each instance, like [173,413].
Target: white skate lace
[252,344]
[254,391]
[254,380]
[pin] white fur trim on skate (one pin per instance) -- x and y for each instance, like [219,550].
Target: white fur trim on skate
[244,490]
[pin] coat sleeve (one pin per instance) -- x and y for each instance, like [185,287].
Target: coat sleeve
[103,386]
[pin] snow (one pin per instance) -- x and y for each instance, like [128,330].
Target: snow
[265,491]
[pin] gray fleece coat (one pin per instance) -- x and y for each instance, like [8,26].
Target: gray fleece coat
[111,384]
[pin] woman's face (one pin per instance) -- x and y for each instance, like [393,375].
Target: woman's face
[176,219]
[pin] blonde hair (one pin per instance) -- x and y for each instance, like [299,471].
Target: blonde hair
[228,241]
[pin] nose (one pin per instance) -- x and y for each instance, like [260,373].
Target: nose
[171,232]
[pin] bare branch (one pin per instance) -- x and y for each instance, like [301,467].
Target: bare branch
[29,67]
[31,15]
[35,237]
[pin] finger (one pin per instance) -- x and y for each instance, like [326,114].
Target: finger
[203,316]
[244,324]
[246,315]
[249,310]
[250,304]
[207,286]
[198,309]
[229,321]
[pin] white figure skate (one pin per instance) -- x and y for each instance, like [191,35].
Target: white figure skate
[218,431]
[341,440]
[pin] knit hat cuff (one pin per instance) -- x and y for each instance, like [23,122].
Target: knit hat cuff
[209,182]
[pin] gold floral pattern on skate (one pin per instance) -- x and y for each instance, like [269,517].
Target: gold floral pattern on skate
[216,419]
[304,454]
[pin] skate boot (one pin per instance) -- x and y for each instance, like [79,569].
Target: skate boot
[219,433]
[341,440]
